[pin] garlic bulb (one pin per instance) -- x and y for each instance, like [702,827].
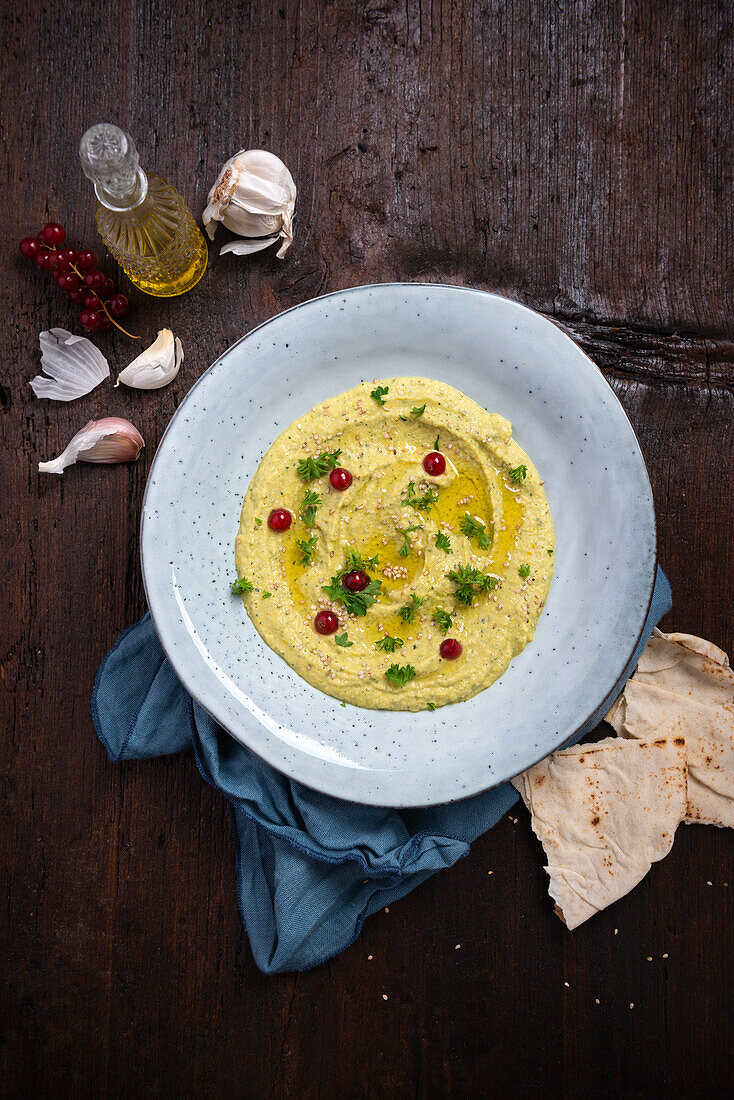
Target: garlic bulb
[155,367]
[254,196]
[108,440]
[74,365]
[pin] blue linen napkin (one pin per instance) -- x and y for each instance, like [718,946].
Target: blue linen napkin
[310,867]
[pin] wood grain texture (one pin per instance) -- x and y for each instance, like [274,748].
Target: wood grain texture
[575,156]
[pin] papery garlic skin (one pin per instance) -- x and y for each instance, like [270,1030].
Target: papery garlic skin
[254,196]
[109,440]
[73,364]
[156,366]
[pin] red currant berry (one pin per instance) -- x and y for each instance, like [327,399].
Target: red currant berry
[43,259]
[91,301]
[59,278]
[29,247]
[94,280]
[90,319]
[86,260]
[77,297]
[105,324]
[69,254]
[58,262]
[53,233]
[279,519]
[356,581]
[450,649]
[107,289]
[118,306]
[69,281]
[326,622]
[434,464]
[340,479]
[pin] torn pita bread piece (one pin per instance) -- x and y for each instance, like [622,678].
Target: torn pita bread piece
[604,814]
[684,686]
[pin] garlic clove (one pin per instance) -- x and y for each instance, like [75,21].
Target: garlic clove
[253,196]
[74,366]
[109,440]
[156,366]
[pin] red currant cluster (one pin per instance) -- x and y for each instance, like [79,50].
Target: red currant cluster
[75,272]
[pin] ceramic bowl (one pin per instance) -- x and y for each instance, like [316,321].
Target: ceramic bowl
[565,416]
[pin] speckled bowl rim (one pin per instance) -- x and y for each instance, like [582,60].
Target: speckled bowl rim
[567,738]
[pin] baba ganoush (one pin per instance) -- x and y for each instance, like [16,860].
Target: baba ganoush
[396,546]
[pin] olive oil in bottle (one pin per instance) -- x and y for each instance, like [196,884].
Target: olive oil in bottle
[141,218]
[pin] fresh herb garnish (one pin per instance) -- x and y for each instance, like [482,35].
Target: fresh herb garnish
[343,640]
[309,507]
[518,474]
[421,504]
[470,582]
[431,706]
[442,619]
[435,445]
[474,528]
[308,549]
[308,469]
[400,674]
[241,585]
[417,411]
[404,419]
[266,595]
[550,553]
[258,521]
[405,532]
[356,603]
[378,394]
[356,561]
[388,644]
[443,542]
[406,613]
[524,570]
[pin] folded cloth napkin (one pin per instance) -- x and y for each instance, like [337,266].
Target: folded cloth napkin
[310,868]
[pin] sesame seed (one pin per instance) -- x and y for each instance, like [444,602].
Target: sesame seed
[384,996]
[665,955]
[567,985]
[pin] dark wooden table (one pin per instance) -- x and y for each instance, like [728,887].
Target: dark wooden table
[574,156]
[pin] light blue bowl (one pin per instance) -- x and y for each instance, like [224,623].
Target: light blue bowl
[510,360]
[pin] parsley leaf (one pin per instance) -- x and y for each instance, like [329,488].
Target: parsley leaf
[242,585]
[343,640]
[524,571]
[308,549]
[405,532]
[550,553]
[309,507]
[442,619]
[474,528]
[308,469]
[417,411]
[420,504]
[435,445]
[406,613]
[388,644]
[431,706]
[356,603]
[259,522]
[443,542]
[266,595]
[400,674]
[518,474]
[470,582]
[378,394]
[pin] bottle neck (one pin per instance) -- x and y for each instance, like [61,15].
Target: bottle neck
[120,199]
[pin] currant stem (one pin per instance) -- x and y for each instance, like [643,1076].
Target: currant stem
[103,307]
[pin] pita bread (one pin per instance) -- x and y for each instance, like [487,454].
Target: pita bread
[604,814]
[684,686]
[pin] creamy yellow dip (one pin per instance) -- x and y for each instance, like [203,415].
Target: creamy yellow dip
[508,538]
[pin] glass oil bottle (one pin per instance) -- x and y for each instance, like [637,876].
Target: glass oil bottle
[141,218]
